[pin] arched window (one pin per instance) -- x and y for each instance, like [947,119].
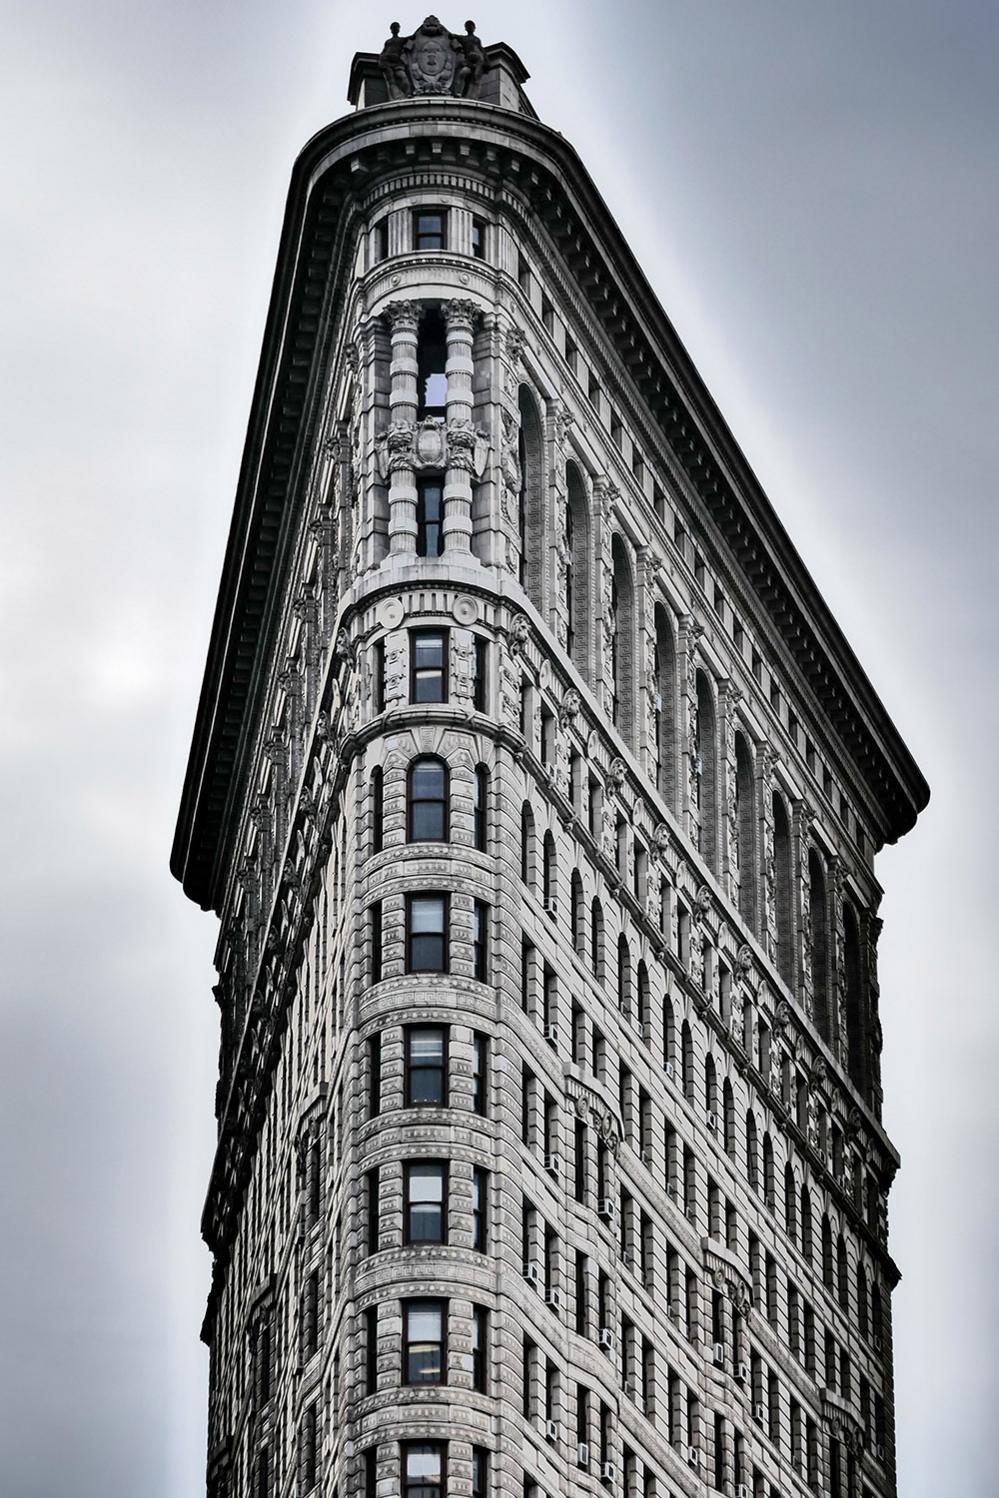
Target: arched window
[377,809]
[745,795]
[669,1034]
[531,512]
[854,997]
[828,1273]
[790,1203]
[576,919]
[623,641]
[642,997]
[687,1061]
[481,807]
[863,1321]
[528,851]
[806,1222]
[623,975]
[665,701]
[427,796]
[752,1152]
[596,938]
[578,571]
[706,759]
[842,1274]
[819,915]
[728,1119]
[710,1086]
[782,889]
[549,874]
[769,1179]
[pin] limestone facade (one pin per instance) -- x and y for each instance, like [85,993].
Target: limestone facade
[538,797]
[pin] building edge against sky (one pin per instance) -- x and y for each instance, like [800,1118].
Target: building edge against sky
[538,793]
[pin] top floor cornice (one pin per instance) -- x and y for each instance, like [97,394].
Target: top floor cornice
[312,284]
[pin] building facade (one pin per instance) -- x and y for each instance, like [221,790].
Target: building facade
[537,793]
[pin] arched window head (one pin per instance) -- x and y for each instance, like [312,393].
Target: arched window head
[745,822]
[579,567]
[782,889]
[623,975]
[530,504]
[710,1086]
[669,1034]
[819,916]
[427,800]
[687,1061]
[622,637]
[596,938]
[706,768]
[752,1152]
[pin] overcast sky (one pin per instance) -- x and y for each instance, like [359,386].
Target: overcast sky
[812,191]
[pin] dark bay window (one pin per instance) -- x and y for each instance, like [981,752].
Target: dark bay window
[480,1208]
[382,239]
[480,1073]
[373,1211]
[480,1349]
[374,1075]
[428,665]
[427,801]
[371,1350]
[378,676]
[377,809]
[426,1066]
[478,239]
[424,1469]
[480,680]
[429,517]
[376,942]
[425,1201]
[430,229]
[426,933]
[431,367]
[480,1472]
[480,806]
[423,1350]
[480,940]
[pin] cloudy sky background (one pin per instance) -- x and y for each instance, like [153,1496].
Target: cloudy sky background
[812,192]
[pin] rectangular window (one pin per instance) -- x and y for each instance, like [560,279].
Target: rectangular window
[571,353]
[373,1211]
[480,681]
[371,1472]
[376,942]
[382,239]
[423,1350]
[547,313]
[378,676]
[616,430]
[429,517]
[480,809]
[428,665]
[371,1349]
[593,390]
[480,1209]
[523,274]
[424,1469]
[480,1349]
[426,1066]
[374,1075]
[480,1073]
[480,1472]
[425,1201]
[479,238]
[480,941]
[426,933]
[430,229]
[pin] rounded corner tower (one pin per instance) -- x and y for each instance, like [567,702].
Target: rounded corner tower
[537,792]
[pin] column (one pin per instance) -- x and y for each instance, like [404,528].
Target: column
[460,317]
[403,321]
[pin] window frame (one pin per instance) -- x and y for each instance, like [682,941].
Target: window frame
[444,897]
[440,633]
[408,1166]
[418,1487]
[427,212]
[443,800]
[409,1305]
[409,1067]
[426,484]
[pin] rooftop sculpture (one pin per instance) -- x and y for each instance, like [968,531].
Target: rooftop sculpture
[433,61]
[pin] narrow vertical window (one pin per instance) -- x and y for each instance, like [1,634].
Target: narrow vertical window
[377,809]
[426,1066]
[427,801]
[480,680]
[480,1073]
[428,665]
[480,941]
[480,1348]
[373,1210]
[376,941]
[425,1201]
[431,368]
[480,1209]
[423,1469]
[374,1074]
[429,517]
[378,676]
[478,238]
[423,1342]
[481,807]
[382,239]
[426,933]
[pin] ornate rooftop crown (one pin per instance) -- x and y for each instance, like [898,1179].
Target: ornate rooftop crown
[433,61]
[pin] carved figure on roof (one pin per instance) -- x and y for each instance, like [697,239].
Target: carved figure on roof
[430,54]
[471,63]
[393,65]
